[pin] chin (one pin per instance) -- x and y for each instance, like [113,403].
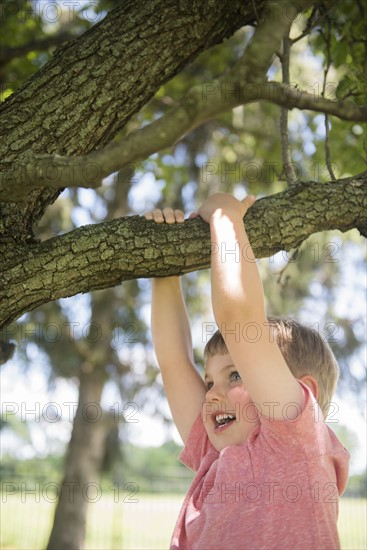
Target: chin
[219,445]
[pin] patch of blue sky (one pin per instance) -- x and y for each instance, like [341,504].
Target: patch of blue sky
[189,196]
[92,208]
[89,199]
[200,159]
[145,194]
[77,310]
[320,131]
[81,216]
[169,160]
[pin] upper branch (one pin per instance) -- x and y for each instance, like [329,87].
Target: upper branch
[244,83]
[291,97]
[200,104]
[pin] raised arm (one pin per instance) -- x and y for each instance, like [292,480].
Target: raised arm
[184,388]
[239,308]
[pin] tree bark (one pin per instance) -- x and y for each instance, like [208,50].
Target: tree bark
[103,255]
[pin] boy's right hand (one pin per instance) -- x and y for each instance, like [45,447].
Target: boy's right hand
[167,215]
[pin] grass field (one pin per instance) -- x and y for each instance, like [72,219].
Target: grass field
[146,524]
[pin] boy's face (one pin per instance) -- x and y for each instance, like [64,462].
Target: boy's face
[228,413]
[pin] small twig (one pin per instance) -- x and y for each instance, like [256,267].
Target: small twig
[283,270]
[329,164]
[326,119]
[288,167]
[253,3]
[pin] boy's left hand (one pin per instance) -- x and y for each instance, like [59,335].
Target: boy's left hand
[225,203]
[219,202]
[167,215]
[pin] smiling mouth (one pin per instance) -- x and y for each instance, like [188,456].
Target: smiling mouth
[223,420]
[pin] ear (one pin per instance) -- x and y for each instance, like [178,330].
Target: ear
[311,382]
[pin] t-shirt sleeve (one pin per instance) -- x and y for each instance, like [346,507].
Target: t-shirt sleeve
[307,438]
[197,446]
[308,420]
[307,433]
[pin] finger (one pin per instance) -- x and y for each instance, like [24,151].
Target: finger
[148,216]
[248,201]
[179,216]
[169,215]
[194,215]
[158,215]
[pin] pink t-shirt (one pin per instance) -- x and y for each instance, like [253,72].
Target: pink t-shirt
[279,490]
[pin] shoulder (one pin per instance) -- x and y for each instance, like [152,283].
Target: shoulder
[307,435]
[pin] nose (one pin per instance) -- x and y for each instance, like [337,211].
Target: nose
[214,401]
[215,393]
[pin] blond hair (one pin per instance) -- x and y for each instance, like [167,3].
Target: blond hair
[304,351]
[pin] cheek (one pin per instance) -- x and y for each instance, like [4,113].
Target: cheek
[242,401]
[239,395]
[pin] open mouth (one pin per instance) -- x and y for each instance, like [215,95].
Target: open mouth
[223,420]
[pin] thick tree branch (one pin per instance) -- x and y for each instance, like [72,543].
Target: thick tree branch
[201,104]
[104,255]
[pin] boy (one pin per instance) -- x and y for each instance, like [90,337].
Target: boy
[268,470]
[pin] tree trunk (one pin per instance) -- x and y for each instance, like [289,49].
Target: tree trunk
[87,446]
[82,466]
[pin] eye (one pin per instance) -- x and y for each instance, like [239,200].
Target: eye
[235,376]
[209,385]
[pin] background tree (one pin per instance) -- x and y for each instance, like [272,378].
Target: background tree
[93,91]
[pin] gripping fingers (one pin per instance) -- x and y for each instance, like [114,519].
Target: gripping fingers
[179,216]
[173,216]
[168,215]
[155,215]
[248,202]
